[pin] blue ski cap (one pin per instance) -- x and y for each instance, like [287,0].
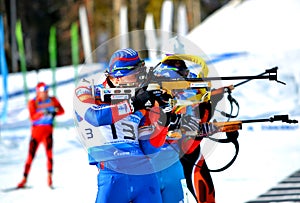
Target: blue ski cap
[124,62]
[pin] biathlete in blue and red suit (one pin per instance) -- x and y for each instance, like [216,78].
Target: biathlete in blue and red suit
[42,111]
[126,174]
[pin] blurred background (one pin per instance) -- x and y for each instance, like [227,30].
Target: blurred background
[47,28]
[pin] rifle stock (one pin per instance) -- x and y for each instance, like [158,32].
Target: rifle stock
[237,125]
[231,126]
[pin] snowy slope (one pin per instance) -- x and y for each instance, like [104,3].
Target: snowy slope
[263,34]
[267,155]
[73,179]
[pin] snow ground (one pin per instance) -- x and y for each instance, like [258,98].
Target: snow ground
[73,179]
[265,158]
[269,152]
[265,35]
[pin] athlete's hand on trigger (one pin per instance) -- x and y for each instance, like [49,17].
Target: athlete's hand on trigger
[159,95]
[142,100]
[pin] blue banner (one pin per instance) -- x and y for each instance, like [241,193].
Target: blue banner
[3,72]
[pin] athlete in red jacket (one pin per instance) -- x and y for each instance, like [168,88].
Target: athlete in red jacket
[42,111]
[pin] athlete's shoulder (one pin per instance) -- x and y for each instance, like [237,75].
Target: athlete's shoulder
[32,101]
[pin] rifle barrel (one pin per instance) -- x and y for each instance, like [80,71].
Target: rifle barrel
[256,120]
[229,78]
[282,118]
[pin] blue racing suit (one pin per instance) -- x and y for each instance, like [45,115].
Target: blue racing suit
[126,173]
[169,172]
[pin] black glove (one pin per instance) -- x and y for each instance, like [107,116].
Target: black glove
[161,96]
[53,113]
[156,94]
[165,115]
[175,121]
[190,123]
[142,100]
[49,113]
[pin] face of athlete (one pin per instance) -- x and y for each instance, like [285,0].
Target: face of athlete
[125,80]
[42,95]
[184,73]
[182,69]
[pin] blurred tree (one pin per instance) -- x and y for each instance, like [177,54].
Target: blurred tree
[193,12]
[37,17]
[68,14]
[210,6]
[6,31]
[103,16]
[154,7]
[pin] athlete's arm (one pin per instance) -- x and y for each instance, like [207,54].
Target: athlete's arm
[157,138]
[59,110]
[33,113]
[105,114]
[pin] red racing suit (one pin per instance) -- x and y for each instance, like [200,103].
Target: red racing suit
[42,114]
[197,174]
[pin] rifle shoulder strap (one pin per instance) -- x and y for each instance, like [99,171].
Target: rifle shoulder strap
[231,137]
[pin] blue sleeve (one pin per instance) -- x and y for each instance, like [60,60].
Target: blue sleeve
[99,115]
[148,148]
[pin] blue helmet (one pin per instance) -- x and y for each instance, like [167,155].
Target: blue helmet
[167,71]
[124,62]
[173,69]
